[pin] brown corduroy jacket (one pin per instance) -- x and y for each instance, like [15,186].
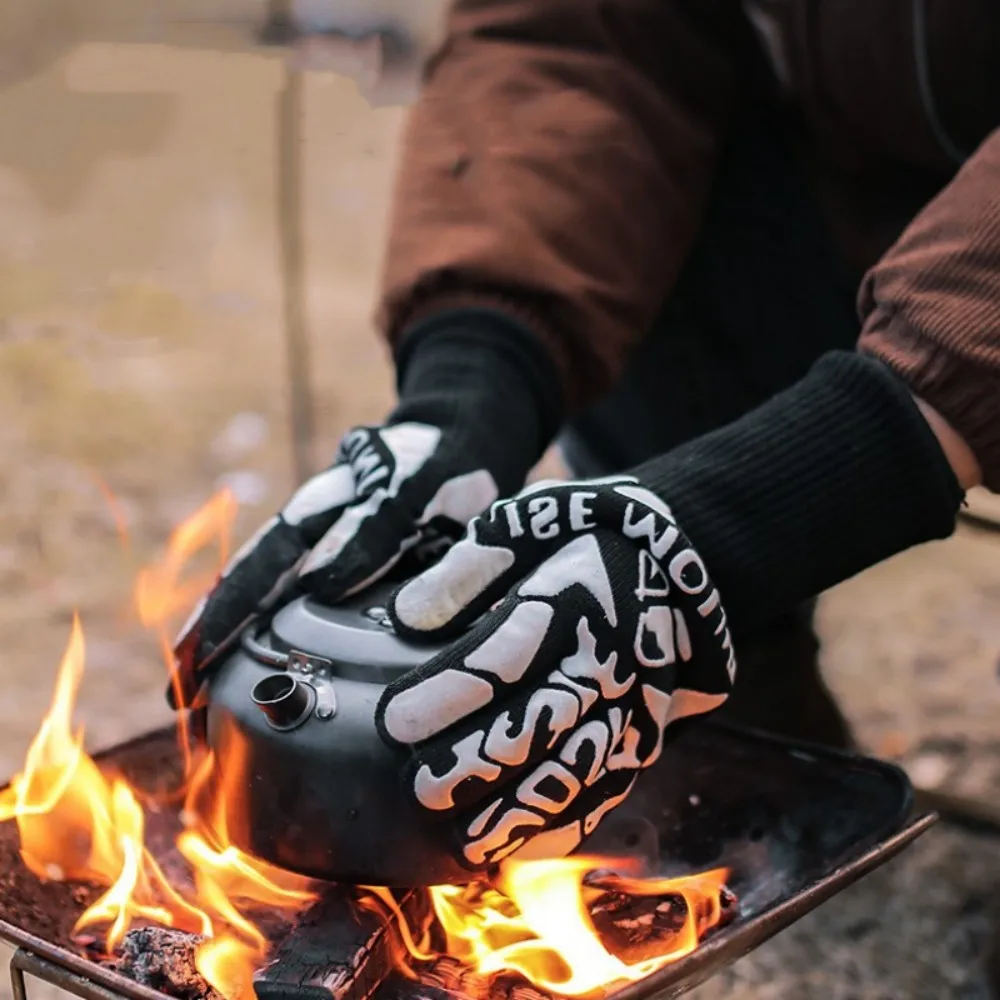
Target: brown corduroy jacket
[560,156]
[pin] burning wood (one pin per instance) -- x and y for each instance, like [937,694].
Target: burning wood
[337,949]
[563,925]
[94,853]
[635,928]
[453,978]
[639,927]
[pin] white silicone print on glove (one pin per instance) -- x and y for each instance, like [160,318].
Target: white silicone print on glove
[389,488]
[402,483]
[536,722]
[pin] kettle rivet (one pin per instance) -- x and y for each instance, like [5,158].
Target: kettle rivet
[380,616]
[324,712]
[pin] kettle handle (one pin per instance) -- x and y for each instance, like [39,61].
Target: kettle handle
[259,651]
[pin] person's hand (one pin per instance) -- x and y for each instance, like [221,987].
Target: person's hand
[536,721]
[465,432]
[590,621]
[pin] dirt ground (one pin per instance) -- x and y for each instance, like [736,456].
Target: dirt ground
[141,348]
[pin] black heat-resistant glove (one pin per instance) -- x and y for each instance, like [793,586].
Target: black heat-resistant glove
[476,411]
[535,722]
[541,716]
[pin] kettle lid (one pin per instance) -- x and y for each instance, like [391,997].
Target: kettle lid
[355,635]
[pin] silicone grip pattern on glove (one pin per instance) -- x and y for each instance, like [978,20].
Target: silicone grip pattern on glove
[535,722]
[388,490]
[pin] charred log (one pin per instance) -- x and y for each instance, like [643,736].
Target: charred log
[337,949]
[635,928]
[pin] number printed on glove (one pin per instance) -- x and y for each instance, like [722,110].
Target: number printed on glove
[584,622]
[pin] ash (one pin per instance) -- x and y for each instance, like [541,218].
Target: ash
[164,960]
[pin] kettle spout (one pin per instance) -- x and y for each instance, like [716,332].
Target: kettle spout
[284,699]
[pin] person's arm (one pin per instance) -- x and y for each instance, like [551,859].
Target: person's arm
[554,172]
[587,616]
[931,311]
[551,182]
[869,455]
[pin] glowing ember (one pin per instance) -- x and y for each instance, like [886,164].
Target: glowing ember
[77,822]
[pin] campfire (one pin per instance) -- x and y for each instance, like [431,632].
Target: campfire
[154,858]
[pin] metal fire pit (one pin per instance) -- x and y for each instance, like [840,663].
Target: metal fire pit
[795,825]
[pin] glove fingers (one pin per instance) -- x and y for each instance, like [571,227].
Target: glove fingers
[475,672]
[539,622]
[365,542]
[399,500]
[319,502]
[249,578]
[478,714]
[501,547]
[552,806]
[444,599]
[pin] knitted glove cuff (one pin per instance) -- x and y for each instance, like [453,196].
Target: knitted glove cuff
[826,479]
[484,376]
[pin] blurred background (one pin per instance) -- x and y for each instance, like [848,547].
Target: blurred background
[144,347]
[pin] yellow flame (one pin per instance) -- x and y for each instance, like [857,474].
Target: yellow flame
[223,874]
[536,923]
[380,900]
[165,591]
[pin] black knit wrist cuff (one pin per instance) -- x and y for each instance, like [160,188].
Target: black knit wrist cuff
[486,379]
[828,478]
[482,344]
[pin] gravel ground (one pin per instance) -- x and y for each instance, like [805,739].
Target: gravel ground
[149,356]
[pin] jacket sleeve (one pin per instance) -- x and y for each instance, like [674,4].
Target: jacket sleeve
[555,168]
[931,307]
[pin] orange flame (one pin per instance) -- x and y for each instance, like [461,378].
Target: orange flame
[223,874]
[536,922]
[166,590]
[78,822]
[116,510]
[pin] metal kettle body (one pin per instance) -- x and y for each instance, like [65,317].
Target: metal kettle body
[309,784]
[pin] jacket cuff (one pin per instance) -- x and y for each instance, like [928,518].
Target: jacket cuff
[823,481]
[962,391]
